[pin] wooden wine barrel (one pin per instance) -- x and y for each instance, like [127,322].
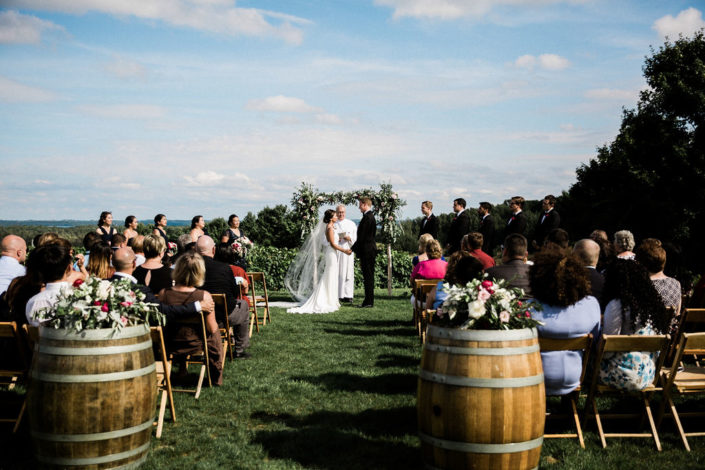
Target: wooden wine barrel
[92,398]
[481,399]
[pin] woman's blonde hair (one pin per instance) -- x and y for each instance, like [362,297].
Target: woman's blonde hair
[424,241]
[433,250]
[190,270]
[153,246]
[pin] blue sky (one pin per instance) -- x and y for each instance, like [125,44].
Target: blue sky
[214,106]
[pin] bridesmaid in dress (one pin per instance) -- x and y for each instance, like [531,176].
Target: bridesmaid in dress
[105,227]
[130,231]
[233,234]
[198,226]
[160,227]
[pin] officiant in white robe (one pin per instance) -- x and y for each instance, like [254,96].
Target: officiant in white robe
[346,230]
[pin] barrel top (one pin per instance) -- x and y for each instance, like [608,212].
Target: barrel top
[482,335]
[91,335]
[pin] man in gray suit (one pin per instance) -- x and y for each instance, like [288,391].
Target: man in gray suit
[513,268]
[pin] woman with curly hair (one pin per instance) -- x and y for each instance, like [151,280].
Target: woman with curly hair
[635,309]
[562,286]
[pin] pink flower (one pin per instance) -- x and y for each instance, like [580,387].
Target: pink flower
[77,282]
[394,196]
[519,303]
[486,284]
[527,314]
[504,316]
[105,307]
[123,320]
[125,304]
[96,302]
[483,295]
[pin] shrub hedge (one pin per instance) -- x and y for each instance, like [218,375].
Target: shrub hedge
[274,262]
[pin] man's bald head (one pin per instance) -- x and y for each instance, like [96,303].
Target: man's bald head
[205,246]
[587,251]
[14,247]
[124,260]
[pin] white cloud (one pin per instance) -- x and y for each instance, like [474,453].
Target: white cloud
[326,118]
[545,61]
[16,28]
[455,9]
[15,92]
[686,23]
[281,104]
[125,68]
[215,16]
[125,111]
[204,178]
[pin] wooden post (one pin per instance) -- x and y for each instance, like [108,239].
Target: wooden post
[389,269]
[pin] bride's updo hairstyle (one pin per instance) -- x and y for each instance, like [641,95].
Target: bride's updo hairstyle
[328,216]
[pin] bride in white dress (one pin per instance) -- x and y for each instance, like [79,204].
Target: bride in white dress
[312,277]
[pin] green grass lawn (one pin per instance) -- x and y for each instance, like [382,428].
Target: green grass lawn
[337,391]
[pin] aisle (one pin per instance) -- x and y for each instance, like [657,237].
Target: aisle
[325,391]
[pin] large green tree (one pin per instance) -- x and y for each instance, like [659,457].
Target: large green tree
[651,178]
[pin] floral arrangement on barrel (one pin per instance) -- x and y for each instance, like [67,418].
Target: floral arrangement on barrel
[484,304]
[97,303]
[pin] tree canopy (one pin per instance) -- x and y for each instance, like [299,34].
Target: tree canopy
[651,178]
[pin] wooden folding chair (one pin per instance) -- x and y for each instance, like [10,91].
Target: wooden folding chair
[426,319]
[163,378]
[421,289]
[222,317]
[581,343]
[619,344]
[684,379]
[14,369]
[198,322]
[262,300]
[691,320]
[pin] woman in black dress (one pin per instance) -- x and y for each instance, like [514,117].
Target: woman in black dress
[233,234]
[105,227]
[160,228]
[152,272]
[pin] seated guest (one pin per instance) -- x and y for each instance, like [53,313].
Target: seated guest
[634,308]
[197,227]
[77,271]
[88,240]
[624,244]
[124,261]
[462,268]
[219,280]
[105,227]
[13,252]
[606,249]
[421,254]
[513,268]
[152,272]
[53,262]
[652,256]
[99,262]
[561,284]
[557,239]
[434,267]
[588,252]
[138,249]
[45,238]
[472,243]
[183,244]
[130,231]
[225,254]
[119,241]
[184,339]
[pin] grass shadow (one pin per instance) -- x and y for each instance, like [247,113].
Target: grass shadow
[385,384]
[396,360]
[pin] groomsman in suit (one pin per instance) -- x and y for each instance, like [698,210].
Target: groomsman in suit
[517,222]
[458,227]
[549,220]
[429,224]
[486,227]
[366,249]
[346,231]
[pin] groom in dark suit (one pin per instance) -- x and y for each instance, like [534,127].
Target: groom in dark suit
[429,224]
[366,249]
[458,227]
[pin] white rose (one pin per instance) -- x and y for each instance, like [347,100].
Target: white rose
[476,309]
[104,289]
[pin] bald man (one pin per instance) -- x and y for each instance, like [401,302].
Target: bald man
[588,252]
[14,252]
[221,280]
[124,262]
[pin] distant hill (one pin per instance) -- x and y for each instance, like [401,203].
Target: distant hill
[67,223]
